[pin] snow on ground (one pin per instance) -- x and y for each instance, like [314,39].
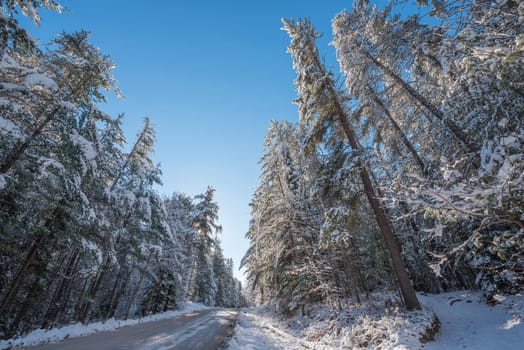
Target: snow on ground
[466,323]
[374,324]
[259,329]
[40,336]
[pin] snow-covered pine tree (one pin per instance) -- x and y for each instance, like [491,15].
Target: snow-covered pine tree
[50,170]
[84,235]
[321,104]
[287,262]
[462,67]
[179,213]
[204,221]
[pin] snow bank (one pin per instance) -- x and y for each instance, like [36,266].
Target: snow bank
[259,330]
[40,336]
[465,323]
[468,323]
[374,324]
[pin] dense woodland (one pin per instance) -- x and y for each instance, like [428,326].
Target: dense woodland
[406,171]
[83,234]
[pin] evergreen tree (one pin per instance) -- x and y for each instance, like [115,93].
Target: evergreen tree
[204,221]
[320,103]
[84,235]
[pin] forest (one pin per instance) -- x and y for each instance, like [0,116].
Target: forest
[405,172]
[84,235]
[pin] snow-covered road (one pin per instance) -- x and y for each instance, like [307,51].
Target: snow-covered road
[197,330]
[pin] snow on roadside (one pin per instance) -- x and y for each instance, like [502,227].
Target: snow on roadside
[375,324]
[257,328]
[466,322]
[40,336]
[469,323]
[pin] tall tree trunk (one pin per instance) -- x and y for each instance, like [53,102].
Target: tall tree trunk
[399,268]
[408,292]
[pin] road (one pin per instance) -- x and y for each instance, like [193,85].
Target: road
[203,330]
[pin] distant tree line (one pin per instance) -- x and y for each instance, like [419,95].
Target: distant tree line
[408,171]
[83,234]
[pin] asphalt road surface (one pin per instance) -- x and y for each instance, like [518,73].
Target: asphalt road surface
[203,330]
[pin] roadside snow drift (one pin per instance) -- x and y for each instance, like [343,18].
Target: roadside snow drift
[54,335]
[464,322]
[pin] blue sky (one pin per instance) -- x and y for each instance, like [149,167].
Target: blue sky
[211,75]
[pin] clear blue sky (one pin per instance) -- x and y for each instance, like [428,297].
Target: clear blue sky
[210,74]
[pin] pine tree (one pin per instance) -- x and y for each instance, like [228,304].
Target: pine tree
[84,235]
[320,103]
[204,222]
